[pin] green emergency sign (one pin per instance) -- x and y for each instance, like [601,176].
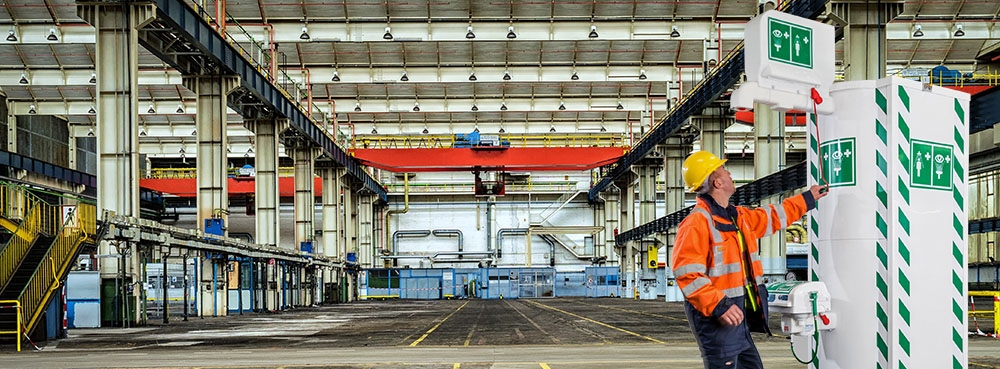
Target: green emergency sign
[790,43]
[930,165]
[837,157]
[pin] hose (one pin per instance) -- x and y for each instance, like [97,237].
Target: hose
[815,350]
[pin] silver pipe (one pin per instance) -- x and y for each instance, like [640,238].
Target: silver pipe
[415,233]
[449,232]
[506,231]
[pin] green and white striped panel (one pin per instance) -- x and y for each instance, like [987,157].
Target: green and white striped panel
[882,226]
[814,178]
[959,244]
[900,263]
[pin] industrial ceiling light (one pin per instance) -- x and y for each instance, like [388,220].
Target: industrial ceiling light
[958,31]
[472,76]
[142,131]
[674,32]
[476,129]
[180,109]
[620,106]
[182,150]
[502,130]
[506,75]
[425,131]
[305,33]
[357,106]
[52,35]
[93,78]
[642,74]
[918,31]
[92,110]
[503,106]
[475,108]
[24,79]
[593,31]
[194,132]
[416,106]
[151,110]
[552,129]
[11,36]
[712,63]
[470,34]
[31,109]
[374,131]
[404,78]
[603,129]
[336,77]
[229,148]
[510,32]
[575,76]
[562,106]
[388,33]
[90,132]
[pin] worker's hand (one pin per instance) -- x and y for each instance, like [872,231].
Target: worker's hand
[819,192]
[732,317]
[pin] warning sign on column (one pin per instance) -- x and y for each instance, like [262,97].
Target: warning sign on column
[930,165]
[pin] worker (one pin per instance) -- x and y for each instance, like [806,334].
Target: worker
[717,266]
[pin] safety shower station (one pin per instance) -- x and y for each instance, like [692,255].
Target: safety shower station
[887,260]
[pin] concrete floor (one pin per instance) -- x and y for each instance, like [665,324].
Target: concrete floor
[536,333]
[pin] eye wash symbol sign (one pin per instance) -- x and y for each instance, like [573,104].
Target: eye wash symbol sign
[930,165]
[789,43]
[837,157]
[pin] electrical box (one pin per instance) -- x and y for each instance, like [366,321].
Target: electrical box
[804,306]
[216,226]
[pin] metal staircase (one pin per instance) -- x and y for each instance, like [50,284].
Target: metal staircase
[40,251]
[542,219]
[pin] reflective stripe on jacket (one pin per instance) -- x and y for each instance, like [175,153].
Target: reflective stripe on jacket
[706,256]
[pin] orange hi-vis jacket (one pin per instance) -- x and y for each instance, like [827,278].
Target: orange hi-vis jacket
[707,258]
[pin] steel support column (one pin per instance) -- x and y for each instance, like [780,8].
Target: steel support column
[864,35]
[116,60]
[713,124]
[11,128]
[674,152]
[612,214]
[213,163]
[332,243]
[266,196]
[627,218]
[649,246]
[305,198]
[366,215]
[769,155]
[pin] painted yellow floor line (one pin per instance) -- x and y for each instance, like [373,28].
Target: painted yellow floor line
[471,331]
[636,312]
[456,366]
[544,366]
[429,331]
[596,322]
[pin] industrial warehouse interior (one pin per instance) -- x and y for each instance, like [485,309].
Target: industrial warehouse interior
[491,184]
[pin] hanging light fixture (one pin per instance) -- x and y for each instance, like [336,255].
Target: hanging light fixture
[503,106]
[357,106]
[374,131]
[90,132]
[603,129]
[475,108]
[388,33]
[620,106]
[24,79]
[93,78]
[151,110]
[959,32]
[472,76]
[593,31]
[642,74]
[510,32]
[31,109]
[305,33]
[180,109]
[416,106]
[404,78]
[502,130]
[336,77]
[194,132]
[470,34]
[575,76]
[562,106]
[142,131]
[506,75]
[476,129]
[52,35]
[11,36]
[92,110]
[425,131]
[552,129]
[674,32]
[918,31]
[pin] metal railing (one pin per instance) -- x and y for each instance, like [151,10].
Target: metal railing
[437,141]
[995,312]
[13,304]
[35,217]
[190,173]
[79,225]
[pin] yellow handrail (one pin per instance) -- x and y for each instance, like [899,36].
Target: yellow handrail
[995,311]
[17,330]
[39,217]
[72,233]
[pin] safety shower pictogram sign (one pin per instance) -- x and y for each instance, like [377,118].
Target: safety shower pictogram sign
[790,43]
[838,159]
[930,165]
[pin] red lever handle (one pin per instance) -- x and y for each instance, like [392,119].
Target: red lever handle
[825,319]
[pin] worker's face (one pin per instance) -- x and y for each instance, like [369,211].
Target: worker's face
[724,180]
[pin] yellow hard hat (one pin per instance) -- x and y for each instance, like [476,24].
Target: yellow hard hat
[698,166]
